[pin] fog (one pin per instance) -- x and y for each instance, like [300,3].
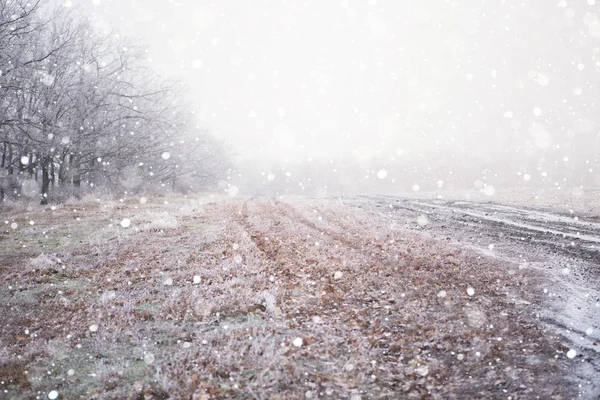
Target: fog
[285,199]
[466,92]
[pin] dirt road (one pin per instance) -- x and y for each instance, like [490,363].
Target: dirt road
[303,298]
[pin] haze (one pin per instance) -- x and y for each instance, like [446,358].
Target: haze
[493,85]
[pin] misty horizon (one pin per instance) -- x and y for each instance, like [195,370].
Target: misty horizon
[385,82]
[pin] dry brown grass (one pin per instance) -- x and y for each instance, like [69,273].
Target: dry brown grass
[379,331]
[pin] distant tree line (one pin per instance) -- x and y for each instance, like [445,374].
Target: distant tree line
[79,109]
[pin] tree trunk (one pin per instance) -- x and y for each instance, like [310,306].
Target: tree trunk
[74,169]
[10,159]
[77,178]
[52,174]
[45,178]
[31,167]
[62,170]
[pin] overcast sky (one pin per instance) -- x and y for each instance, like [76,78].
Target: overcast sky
[298,79]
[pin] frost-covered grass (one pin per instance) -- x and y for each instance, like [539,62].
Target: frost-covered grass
[261,299]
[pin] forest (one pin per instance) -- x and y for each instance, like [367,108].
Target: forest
[81,111]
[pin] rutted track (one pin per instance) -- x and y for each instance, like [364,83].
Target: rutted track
[564,248]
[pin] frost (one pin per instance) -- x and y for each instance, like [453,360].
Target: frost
[298,342]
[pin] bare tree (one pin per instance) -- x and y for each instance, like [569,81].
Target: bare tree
[77,107]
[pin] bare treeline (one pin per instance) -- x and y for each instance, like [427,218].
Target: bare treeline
[83,110]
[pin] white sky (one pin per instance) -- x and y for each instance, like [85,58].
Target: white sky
[318,78]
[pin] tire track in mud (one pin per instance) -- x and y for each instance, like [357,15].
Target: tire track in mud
[312,290]
[546,238]
[266,240]
[372,248]
[297,257]
[308,289]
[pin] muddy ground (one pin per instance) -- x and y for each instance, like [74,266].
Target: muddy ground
[260,298]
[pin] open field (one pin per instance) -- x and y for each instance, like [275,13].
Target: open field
[259,298]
